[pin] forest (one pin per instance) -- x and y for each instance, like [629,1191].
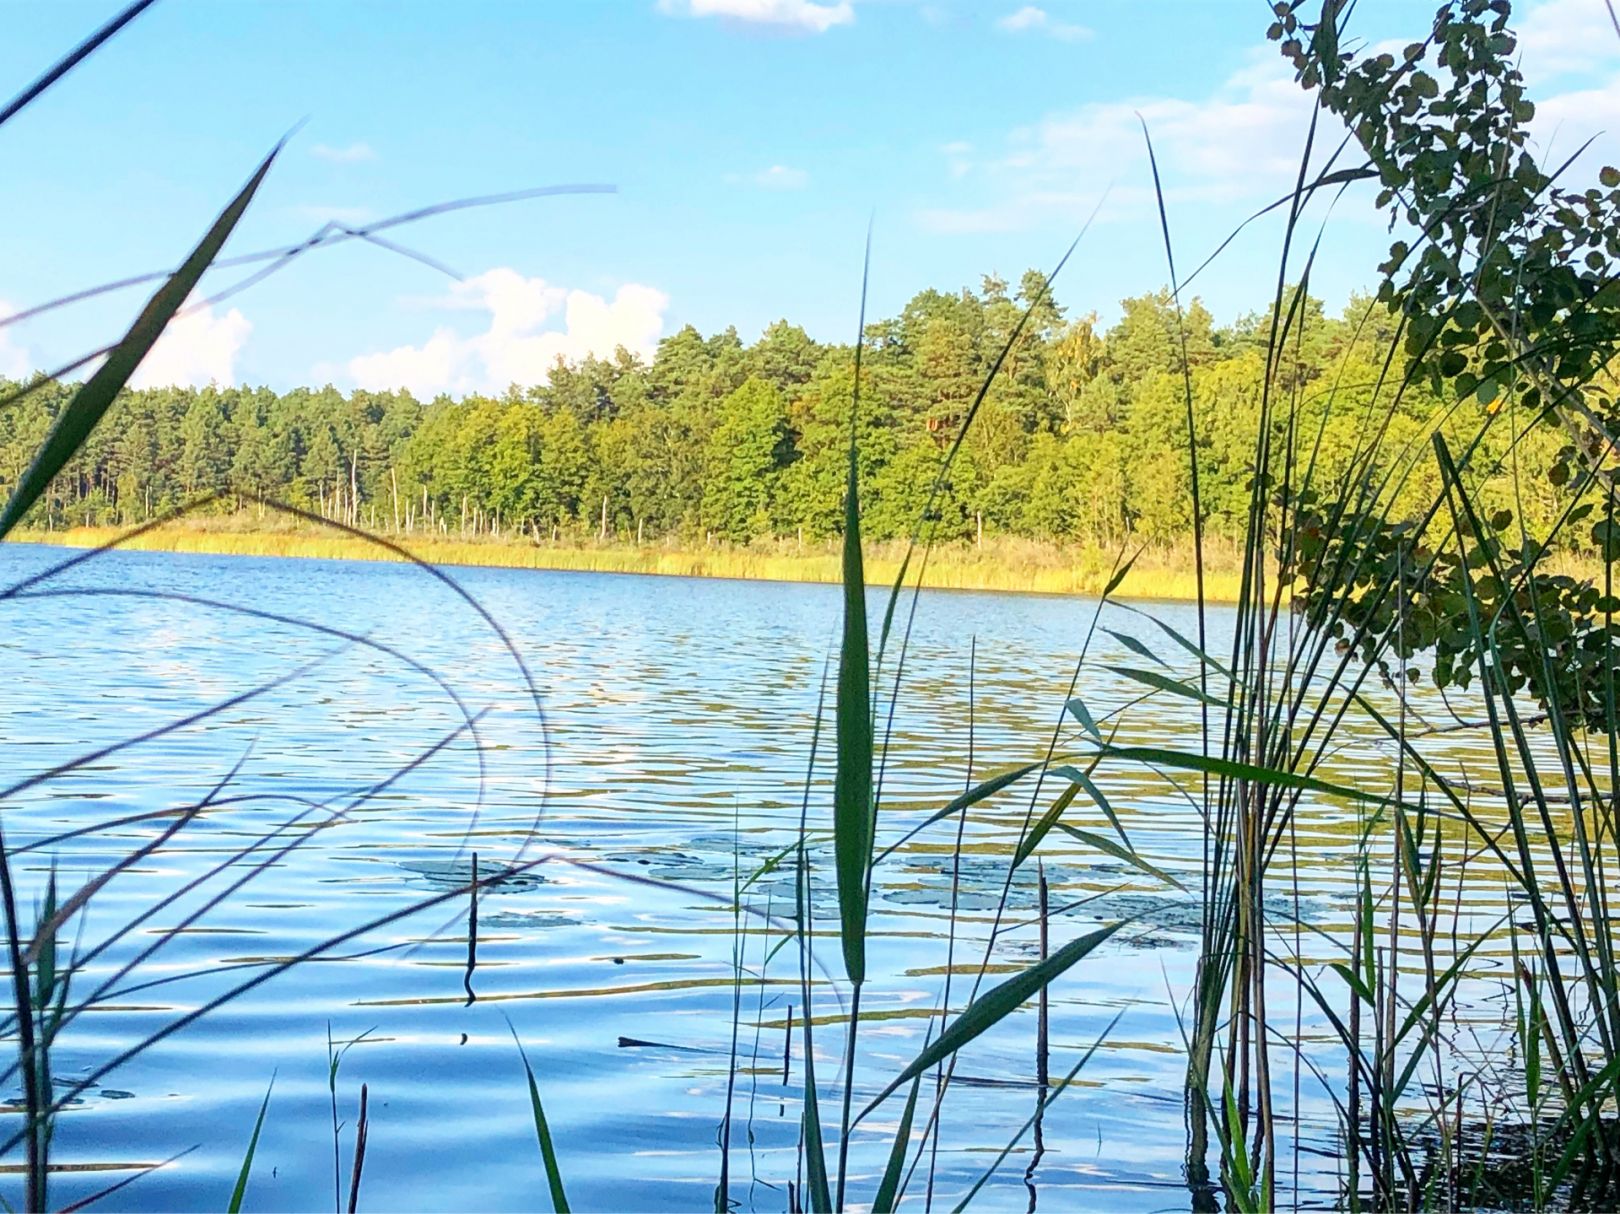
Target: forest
[1079,440]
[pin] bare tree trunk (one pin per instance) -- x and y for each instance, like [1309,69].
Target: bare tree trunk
[603,533]
[393,481]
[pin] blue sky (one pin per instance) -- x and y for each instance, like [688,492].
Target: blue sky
[749,141]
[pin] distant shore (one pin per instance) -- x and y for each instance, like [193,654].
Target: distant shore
[1007,565]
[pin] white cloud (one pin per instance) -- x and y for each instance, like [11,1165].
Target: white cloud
[1564,122]
[1031,19]
[777,177]
[352,153]
[15,361]
[807,16]
[198,348]
[516,347]
[1241,142]
[1566,36]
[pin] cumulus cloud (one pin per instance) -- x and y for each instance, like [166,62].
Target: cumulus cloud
[777,177]
[805,16]
[353,153]
[530,323]
[1566,121]
[1566,36]
[1239,143]
[198,348]
[1031,19]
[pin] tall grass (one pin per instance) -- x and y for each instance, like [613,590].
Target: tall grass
[1329,591]
[1003,564]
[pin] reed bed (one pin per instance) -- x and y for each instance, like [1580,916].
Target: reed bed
[1005,565]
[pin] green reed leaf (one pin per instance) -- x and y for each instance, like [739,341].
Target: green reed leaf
[542,1131]
[1212,765]
[240,1191]
[1128,854]
[979,792]
[883,1203]
[815,1151]
[1077,708]
[1119,576]
[853,823]
[994,1006]
[1134,645]
[1043,825]
[91,402]
[1161,682]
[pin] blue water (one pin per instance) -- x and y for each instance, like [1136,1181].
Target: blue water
[661,735]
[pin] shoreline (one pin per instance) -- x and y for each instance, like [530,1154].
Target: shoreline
[1015,567]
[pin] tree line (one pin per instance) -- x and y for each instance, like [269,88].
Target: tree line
[1081,437]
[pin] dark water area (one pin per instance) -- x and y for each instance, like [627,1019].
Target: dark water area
[669,753]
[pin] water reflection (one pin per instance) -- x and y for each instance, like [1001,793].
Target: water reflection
[399,753]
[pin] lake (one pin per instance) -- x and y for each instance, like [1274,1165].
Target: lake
[669,754]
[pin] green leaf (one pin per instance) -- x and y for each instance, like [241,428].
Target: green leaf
[91,402]
[1077,707]
[1165,683]
[970,798]
[1119,576]
[542,1131]
[1084,780]
[1135,646]
[853,823]
[994,1006]
[815,1158]
[1353,981]
[883,1203]
[240,1191]
[1129,855]
[1210,765]
[1044,824]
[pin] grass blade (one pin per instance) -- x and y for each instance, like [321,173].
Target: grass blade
[1104,844]
[91,402]
[73,58]
[1253,772]
[979,792]
[1164,683]
[1135,646]
[889,1187]
[1044,825]
[240,1191]
[1077,708]
[542,1131]
[852,786]
[994,1006]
